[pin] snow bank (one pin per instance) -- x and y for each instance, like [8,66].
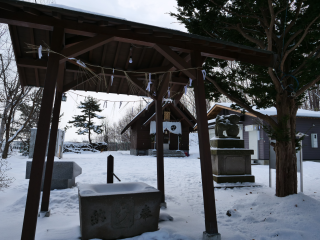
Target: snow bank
[256,213]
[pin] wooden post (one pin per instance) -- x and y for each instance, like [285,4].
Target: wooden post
[110,169]
[34,190]
[159,142]
[52,144]
[204,148]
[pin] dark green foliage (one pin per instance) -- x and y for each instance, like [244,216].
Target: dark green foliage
[84,122]
[289,28]
[252,84]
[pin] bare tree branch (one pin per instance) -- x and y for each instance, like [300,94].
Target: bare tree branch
[244,105]
[298,43]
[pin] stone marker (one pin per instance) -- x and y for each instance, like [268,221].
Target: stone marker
[119,210]
[63,174]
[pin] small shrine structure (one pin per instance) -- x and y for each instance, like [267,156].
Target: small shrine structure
[178,122]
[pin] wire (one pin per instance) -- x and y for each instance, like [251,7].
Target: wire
[106,100]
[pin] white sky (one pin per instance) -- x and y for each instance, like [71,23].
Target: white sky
[150,12]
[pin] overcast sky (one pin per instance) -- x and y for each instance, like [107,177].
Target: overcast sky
[150,12]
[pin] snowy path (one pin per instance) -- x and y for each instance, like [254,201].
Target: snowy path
[256,212]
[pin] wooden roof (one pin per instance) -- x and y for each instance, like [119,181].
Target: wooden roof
[216,109]
[179,110]
[109,42]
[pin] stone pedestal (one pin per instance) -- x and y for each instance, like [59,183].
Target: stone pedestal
[231,162]
[63,174]
[168,153]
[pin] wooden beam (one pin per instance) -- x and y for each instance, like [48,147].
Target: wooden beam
[153,58]
[53,138]
[8,7]
[80,19]
[175,59]
[209,201]
[109,86]
[143,31]
[120,86]
[56,15]
[141,57]
[32,63]
[140,86]
[123,27]
[37,77]
[74,40]
[183,115]
[154,115]
[85,46]
[32,11]
[149,120]
[32,41]
[159,140]
[164,86]
[116,55]
[103,57]
[103,23]
[34,189]
[77,82]
[125,68]
[162,35]
[17,52]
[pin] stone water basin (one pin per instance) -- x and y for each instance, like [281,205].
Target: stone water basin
[119,210]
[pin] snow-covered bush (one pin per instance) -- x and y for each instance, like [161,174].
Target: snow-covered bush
[5,181]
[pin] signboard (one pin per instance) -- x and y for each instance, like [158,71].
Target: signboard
[173,127]
[166,116]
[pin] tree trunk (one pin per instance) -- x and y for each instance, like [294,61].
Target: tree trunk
[5,150]
[3,123]
[286,163]
[2,127]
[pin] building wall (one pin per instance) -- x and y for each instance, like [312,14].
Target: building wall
[303,125]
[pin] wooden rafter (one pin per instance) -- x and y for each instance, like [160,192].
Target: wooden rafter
[77,82]
[17,51]
[175,59]
[37,77]
[85,46]
[140,86]
[183,115]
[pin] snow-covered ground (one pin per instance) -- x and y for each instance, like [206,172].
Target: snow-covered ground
[255,211]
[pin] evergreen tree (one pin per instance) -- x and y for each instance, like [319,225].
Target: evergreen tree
[289,28]
[85,121]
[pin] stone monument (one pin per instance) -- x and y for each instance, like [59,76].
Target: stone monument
[231,162]
[63,174]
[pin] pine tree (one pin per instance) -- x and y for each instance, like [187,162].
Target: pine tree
[289,28]
[84,122]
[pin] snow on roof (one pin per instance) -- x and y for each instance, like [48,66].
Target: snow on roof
[212,121]
[273,111]
[81,10]
[95,13]
[133,119]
